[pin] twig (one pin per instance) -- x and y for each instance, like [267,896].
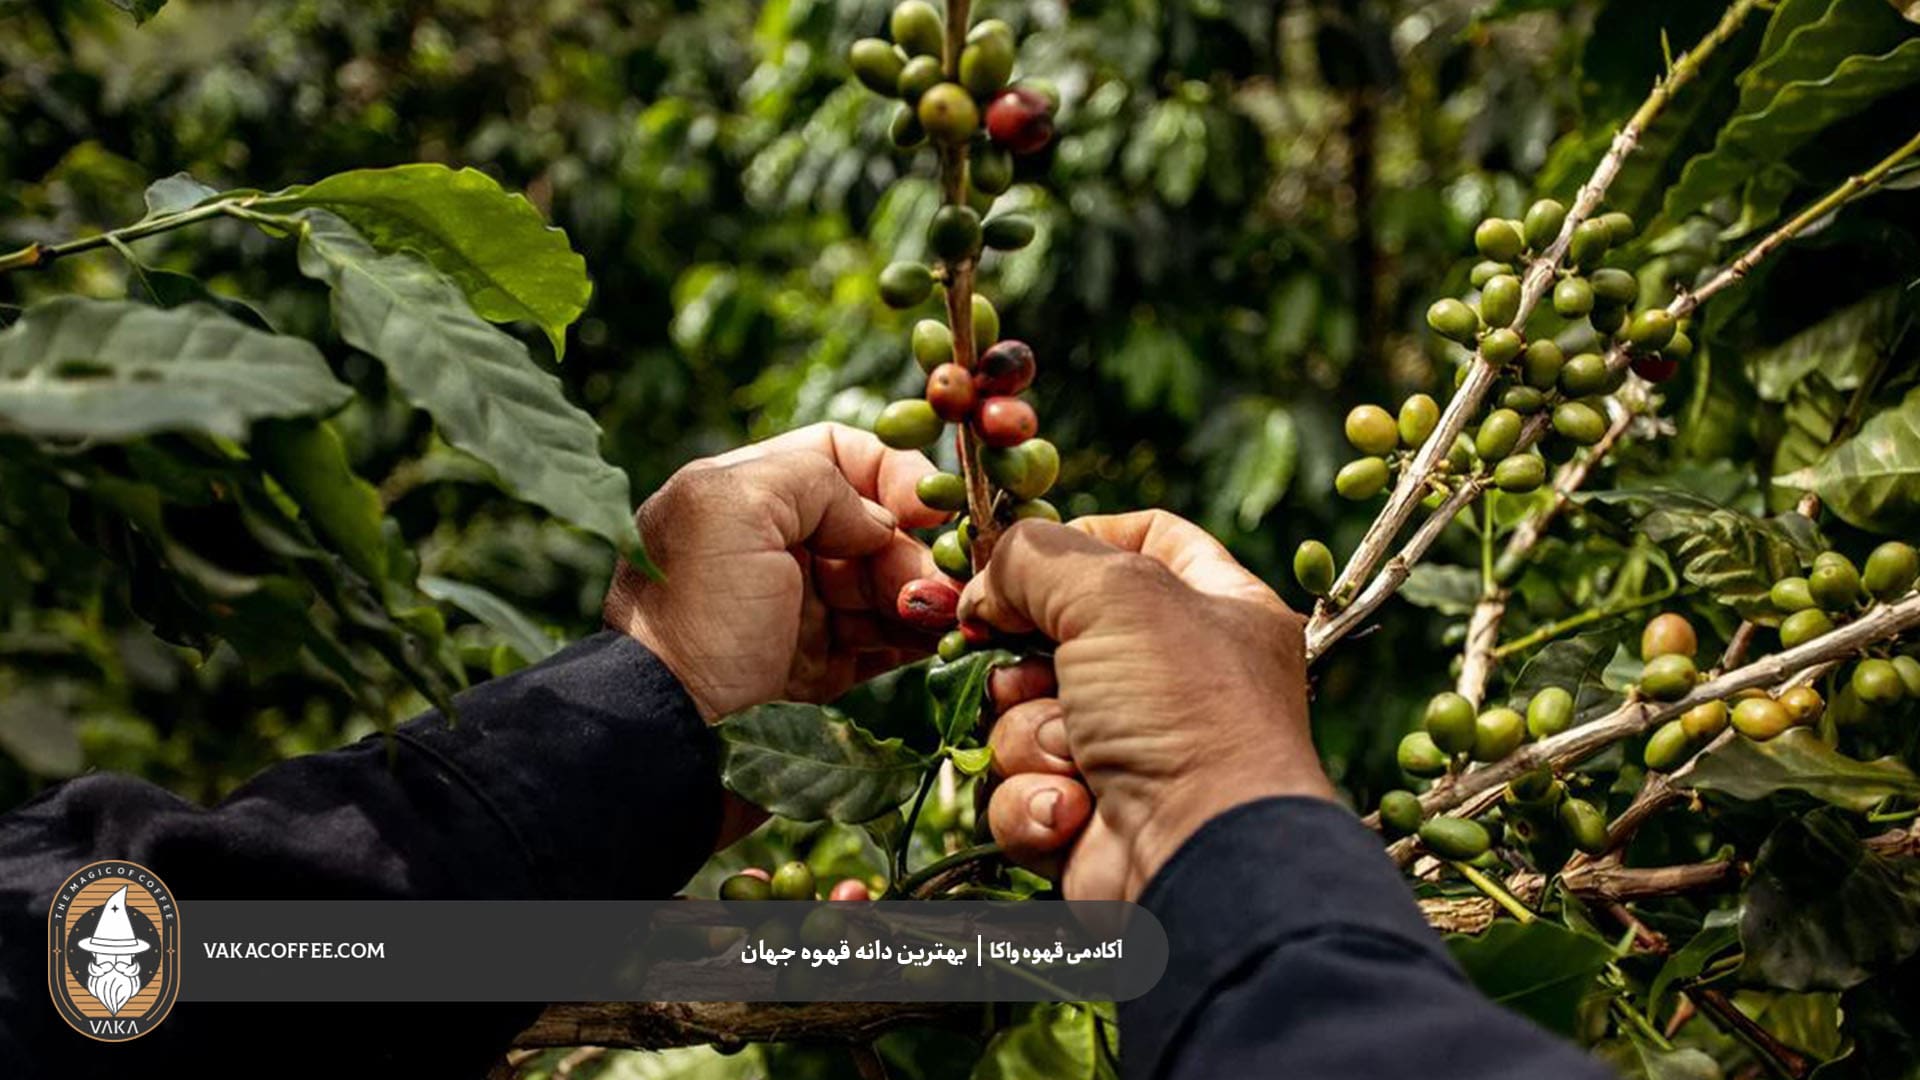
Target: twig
[1495,892]
[1321,635]
[41,256]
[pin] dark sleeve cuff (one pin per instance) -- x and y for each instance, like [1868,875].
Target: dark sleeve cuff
[1249,881]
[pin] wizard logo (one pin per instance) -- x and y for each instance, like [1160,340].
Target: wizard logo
[113,950]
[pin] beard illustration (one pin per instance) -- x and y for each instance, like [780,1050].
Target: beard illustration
[113,980]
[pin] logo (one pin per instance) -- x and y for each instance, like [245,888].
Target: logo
[113,950]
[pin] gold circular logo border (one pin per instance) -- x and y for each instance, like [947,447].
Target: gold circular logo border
[169,991]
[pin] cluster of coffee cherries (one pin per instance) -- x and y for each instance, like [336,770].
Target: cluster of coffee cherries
[791,881]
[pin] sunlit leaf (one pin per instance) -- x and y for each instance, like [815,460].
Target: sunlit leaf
[1799,761]
[1872,480]
[1734,557]
[1055,1042]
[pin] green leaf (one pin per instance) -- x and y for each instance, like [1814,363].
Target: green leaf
[1797,760]
[166,289]
[509,262]
[141,10]
[959,688]
[1575,664]
[1720,932]
[810,763]
[1054,1042]
[480,385]
[1822,912]
[1450,590]
[1871,480]
[37,725]
[1541,970]
[1842,348]
[513,626]
[1807,423]
[310,463]
[1684,1063]
[1261,447]
[114,370]
[973,760]
[176,193]
[1734,557]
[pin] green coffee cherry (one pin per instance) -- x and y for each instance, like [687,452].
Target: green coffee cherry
[1909,671]
[905,131]
[1400,813]
[1532,786]
[932,344]
[1500,346]
[1607,320]
[950,555]
[905,284]
[910,424]
[1543,222]
[1668,634]
[986,323]
[1761,718]
[1651,329]
[1419,415]
[1036,510]
[1520,473]
[794,881]
[942,491]
[1454,320]
[1540,367]
[1313,567]
[1455,838]
[1586,826]
[1026,469]
[1579,422]
[1500,300]
[921,74]
[1460,454]
[1497,733]
[992,169]
[1619,226]
[1589,244]
[1790,594]
[954,233]
[1877,682]
[876,64]
[987,61]
[1497,239]
[1669,677]
[953,646]
[745,887]
[1679,348]
[1803,626]
[1705,720]
[1486,270]
[1450,721]
[1572,298]
[1891,570]
[1803,702]
[1549,713]
[1585,375]
[918,28]
[1524,400]
[948,113]
[1615,288]
[1417,756]
[1009,232]
[1371,430]
[1362,478]
[1498,435]
[1668,748]
[1835,586]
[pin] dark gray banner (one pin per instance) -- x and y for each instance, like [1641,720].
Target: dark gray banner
[685,950]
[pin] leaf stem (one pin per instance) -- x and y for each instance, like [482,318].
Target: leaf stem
[1574,622]
[906,886]
[905,844]
[1496,892]
[40,256]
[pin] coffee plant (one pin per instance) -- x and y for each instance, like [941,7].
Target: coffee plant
[1655,478]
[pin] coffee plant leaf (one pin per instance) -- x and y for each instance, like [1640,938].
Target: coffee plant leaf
[310,463]
[481,386]
[1822,912]
[38,727]
[1807,422]
[1575,664]
[166,289]
[810,763]
[1734,557]
[141,10]
[1842,348]
[511,264]
[1872,480]
[1054,1042]
[1447,589]
[1799,761]
[175,193]
[1680,1063]
[513,627]
[1720,932]
[958,690]
[112,370]
[1541,970]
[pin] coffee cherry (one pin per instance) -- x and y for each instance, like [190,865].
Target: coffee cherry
[1533,786]
[992,169]
[1005,421]
[1669,634]
[794,881]
[977,634]
[1607,320]
[1450,722]
[954,232]
[1400,813]
[850,890]
[1909,671]
[1498,434]
[1891,570]
[1835,586]
[1761,718]
[1036,509]
[1361,479]
[1876,682]
[1313,567]
[1452,319]
[1542,225]
[1549,713]
[1460,454]
[1572,298]
[1371,430]
[950,555]
[1589,244]
[1497,733]
[1524,400]
[1803,626]
[1500,300]
[1500,346]
[942,491]
[1615,288]
[987,60]
[1619,225]
[1804,703]
[1520,473]
[1586,826]
[1009,232]
[1455,838]
[1656,368]
[1497,239]
[1020,118]
[918,28]
[928,603]
[1705,720]
[950,392]
[1579,422]
[876,64]
[1027,470]
[1486,270]
[932,344]
[949,114]
[1668,677]
[1650,329]
[905,131]
[1417,756]
[1006,368]
[746,886]
[908,425]
[1585,375]
[1419,415]
[1790,594]
[1679,348]
[921,74]
[1541,366]
[905,284]
[1668,748]
[986,322]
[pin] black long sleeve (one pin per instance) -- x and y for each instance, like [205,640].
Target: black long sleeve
[590,775]
[1297,951]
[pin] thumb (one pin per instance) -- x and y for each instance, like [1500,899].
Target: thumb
[812,504]
[1052,578]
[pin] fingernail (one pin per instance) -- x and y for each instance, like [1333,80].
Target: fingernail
[1042,806]
[1052,737]
[882,515]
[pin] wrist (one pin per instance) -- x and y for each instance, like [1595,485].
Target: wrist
[1184,807]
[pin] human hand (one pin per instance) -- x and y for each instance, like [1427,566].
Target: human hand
[1182,693]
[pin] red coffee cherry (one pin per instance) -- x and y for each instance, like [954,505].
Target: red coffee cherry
[1005,421]
[1654,367]
[850,889]
[1005,369]
[950,391]
[1020,118]
[929,604]
[976,632]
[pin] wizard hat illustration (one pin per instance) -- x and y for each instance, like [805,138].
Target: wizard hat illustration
[113,936]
